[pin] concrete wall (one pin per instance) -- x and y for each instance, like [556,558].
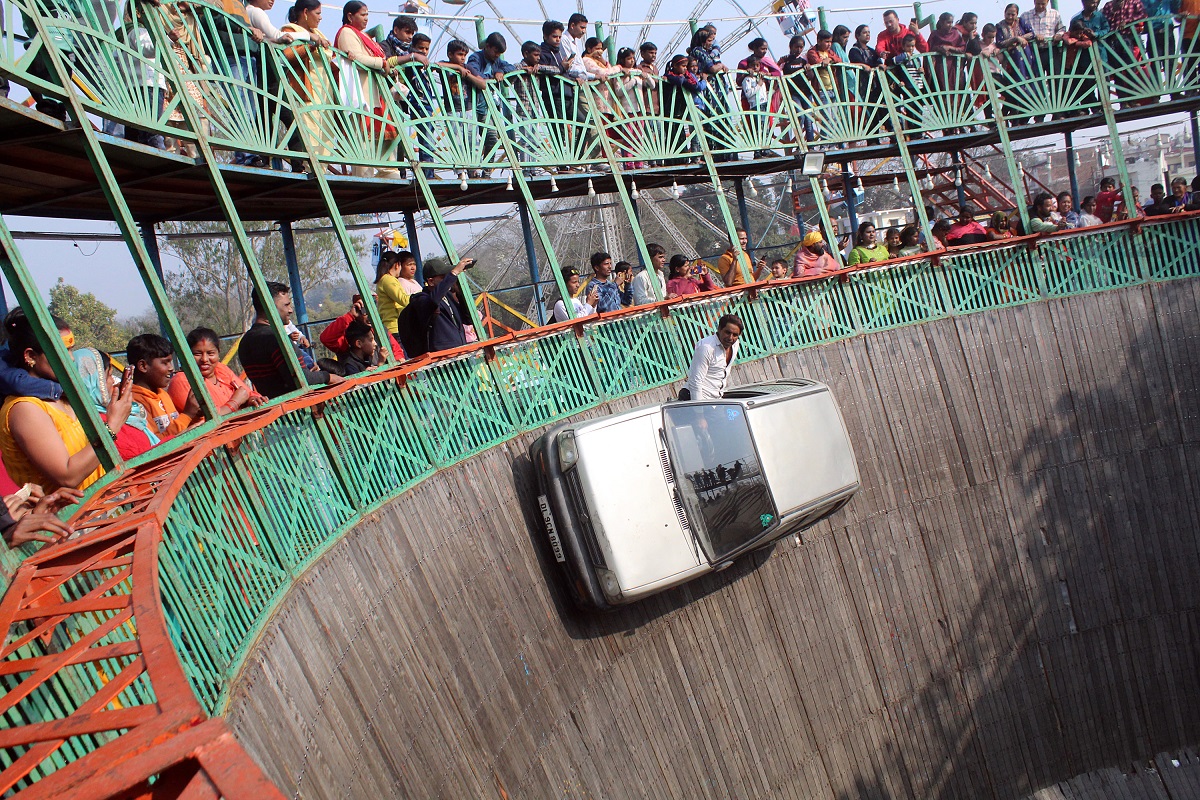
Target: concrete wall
[1010,601]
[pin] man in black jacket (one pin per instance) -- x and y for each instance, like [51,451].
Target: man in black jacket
[433,320]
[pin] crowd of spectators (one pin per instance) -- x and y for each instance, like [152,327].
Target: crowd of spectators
[959,53]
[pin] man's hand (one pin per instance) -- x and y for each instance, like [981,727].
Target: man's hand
[335,379]
[40,524]
[256,35]
[593,297]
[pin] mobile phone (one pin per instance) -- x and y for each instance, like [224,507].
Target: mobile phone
[470,263]
[127,378]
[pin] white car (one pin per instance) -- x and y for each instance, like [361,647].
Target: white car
[641,501]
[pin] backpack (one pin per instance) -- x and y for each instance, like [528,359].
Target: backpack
[414,323]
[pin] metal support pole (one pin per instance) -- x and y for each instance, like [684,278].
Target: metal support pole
[1010,161]
[414,246]
[1195,140]
[150,241]
[129,230]
[822,18]
[480,31]
[831,231]
[739,191]
[20,280]
[959,183]
[849,198]
[1114,134]
[3,303]
[531,254]
[293,268]
[1071,168]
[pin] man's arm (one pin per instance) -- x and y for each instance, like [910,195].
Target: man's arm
[334,336]
[698,368]
[19,383]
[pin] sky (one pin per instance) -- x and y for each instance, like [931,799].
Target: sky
[106,269]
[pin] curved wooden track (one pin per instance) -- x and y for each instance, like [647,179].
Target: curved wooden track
[1010,600]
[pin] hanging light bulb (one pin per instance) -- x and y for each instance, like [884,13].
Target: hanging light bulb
[987,171]
[675,189]
[635,194]
[462,180]
[958,181]
[591,188]
[791,187]
[896,184]
[508,186]
[553,185]
[753,189]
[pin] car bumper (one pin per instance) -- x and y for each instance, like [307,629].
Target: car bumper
[571,547]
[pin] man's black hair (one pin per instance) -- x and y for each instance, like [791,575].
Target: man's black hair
[147,347]
[731,318]
[647,46]
[529,46]
[599,258]
[576,17]
[418,38]
[550,26]
[405,24]
[496,41]
[457,46]
[275,288]
[655,249]
[356,331]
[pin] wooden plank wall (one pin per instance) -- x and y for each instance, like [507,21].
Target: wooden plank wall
[1009,602]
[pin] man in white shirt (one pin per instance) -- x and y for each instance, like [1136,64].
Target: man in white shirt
[643,289]
[714,356]
[572,41]
[583,308]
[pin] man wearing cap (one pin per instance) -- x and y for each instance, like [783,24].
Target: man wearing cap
[813,257]
[434,318]
[583,308]
[712,361]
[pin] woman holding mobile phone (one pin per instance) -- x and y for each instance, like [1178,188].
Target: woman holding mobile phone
[43,442]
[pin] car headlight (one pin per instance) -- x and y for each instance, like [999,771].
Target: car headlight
[567,454]
[609,583]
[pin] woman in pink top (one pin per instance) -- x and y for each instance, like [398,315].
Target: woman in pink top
[685,280]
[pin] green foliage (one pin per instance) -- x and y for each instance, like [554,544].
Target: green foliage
[93,323]
[210,285]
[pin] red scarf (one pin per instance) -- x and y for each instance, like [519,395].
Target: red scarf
[372,46]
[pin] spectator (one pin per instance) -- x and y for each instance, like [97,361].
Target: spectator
[649,54]
[256,12]
[1045,218]
[399,43]
[758,49]
[820,57]
[1179,201]
[488,63]
[794,67]
[462,87]
[1066,209]
[435,319]
[1013,34]
[910,77]
[910,241]
[1087,215]
[137,435]
[361,351]
[1107,200]
[866,249]
[32,516]
[264,361]
[229,393]
[841,39]
[1092,21]
[18,382]
[965,230]
[940,229]
[392,295]
[714,356]
[998,227]
[735,265]
[334,335]
[153,361]
[812,257]
[779,270]
[892,240]
[42,442]
[861,52]
[1158,193]
[681,81]
[573,40]
[610,293]
[352,40]
[582,308]
[967,25]
[643,291]
[1124,49]
[623,275]
[948,44]
[703,49]
[891,39]
[1045,23]
[686,280]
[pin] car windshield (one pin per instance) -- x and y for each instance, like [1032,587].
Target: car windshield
[719,477]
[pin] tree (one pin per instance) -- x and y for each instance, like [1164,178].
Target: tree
[211,286]
[93,323]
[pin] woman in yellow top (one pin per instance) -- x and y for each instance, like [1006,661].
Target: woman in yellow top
[43,442]
[390,295]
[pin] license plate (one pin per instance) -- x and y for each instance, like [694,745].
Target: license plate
[551,530]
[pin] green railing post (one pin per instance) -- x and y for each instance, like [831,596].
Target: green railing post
[1110,120]
[1072,170]
[414,245]
[539,304]
[1010,162]
[124,218]
[293,268]
[822,18]
[906,160]
[59,358]
[480,31]
[714,177]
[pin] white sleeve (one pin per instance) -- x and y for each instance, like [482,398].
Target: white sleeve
[560,312]
[260,20]
[643,293]
[697,369]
